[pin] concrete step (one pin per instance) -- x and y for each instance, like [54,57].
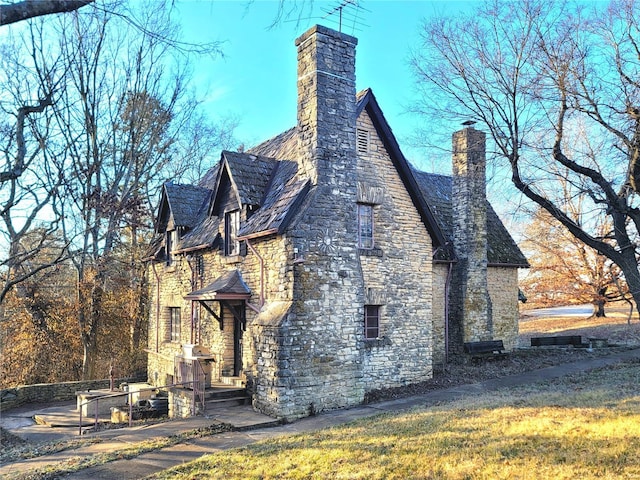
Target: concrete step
[221,391]
[219,403]
[235,381]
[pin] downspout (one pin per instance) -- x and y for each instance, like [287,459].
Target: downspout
[193,287]
[447,284]
[447,288]
[261,260]
[155,272]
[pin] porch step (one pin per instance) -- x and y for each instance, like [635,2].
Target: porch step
[235,381]
[214,404]
[222,395]
[221,390]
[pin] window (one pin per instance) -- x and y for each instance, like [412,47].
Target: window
[362,141]
[365,226]
[169,246]
[231,227]
[371,321]
[174,324]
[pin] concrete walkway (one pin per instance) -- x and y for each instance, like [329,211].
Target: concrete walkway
[253,427]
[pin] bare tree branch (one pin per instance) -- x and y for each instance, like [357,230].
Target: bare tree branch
[26,9]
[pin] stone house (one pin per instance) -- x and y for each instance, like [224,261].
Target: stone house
[319,265]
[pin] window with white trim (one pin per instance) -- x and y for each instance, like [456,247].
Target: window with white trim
[365,226]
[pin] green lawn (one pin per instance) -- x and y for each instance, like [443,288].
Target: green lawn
[584,426]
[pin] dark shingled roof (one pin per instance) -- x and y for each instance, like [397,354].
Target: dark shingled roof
[437,191]
[250,174]
[229,286]
[282,147]
[266,176]
[203,235]
[283,197]
[185,202]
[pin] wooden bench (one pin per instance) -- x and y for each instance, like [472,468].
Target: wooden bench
[560,340]
[485,349]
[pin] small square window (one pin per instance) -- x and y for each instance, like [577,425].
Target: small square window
[365,226]
[371,321]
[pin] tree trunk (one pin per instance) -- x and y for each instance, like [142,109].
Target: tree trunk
[598,308]
[629,267]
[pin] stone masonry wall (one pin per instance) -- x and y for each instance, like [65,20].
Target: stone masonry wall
[317,338]
[503,289]
[440,271]
[175,282]
[397,274]
[471,307]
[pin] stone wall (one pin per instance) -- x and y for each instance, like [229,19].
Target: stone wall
[175,283]
[397,272]
[503,289]
[52,392]
[440,272]
[471,312]
[313,347]
[502,285]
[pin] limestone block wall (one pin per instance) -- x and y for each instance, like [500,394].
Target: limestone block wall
[440,271]
[274,279]
[503,289]
[52,392]
[318,363]
[397,273]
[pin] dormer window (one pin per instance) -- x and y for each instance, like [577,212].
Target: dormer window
[231,228]
[170,241]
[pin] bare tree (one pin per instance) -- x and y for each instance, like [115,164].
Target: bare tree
[565,271]
[118,120]
[26,9]
[28,179]
[530,72]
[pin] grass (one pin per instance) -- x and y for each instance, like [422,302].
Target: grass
[77,463]
[582,426]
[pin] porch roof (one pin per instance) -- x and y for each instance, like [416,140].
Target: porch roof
[229,286]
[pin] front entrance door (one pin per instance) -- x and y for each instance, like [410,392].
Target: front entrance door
[237,344]
[233,357]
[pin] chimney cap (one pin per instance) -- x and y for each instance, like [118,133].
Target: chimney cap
[468,123]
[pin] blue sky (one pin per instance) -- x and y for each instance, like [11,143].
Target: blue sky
[255,81]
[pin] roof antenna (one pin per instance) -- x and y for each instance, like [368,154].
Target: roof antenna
[347,11]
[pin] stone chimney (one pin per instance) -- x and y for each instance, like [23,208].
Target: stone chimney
[326,103]
[471,301]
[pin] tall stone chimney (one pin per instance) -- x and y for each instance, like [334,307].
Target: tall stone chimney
[471,301]
[326,103]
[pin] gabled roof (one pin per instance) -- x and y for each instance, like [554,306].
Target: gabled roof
[250,175]
[367,101]
[437,191]
[431,194]
[182,204]
[230,286]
